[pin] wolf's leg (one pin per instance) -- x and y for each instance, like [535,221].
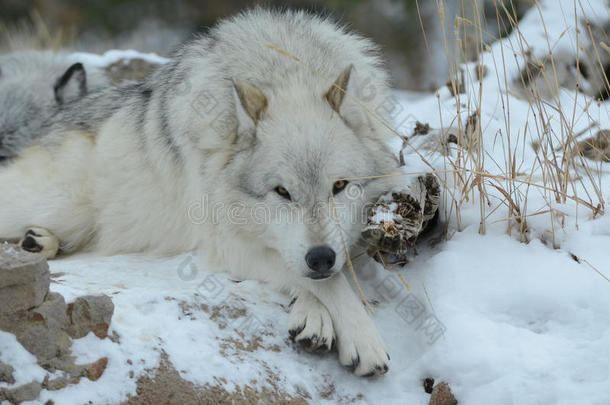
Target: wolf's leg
[358,342]
[310,323]
[39,240]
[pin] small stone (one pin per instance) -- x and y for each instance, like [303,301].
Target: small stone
[24,279]
[481,72]
[421,128]
[95,370]
[595,148]
[6,373]
[441,395]
[428,385]
[57,384]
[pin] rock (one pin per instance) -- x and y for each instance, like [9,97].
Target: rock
[43,323]
[25,392]
[41,330]
[129,69]
[421,128]
[24,279]
[6,373]
[90,313]
[428,385]
[456,86]
[597,147]
[95,370]
[441,395]
[56,384]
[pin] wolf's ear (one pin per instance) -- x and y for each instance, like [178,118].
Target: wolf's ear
[250,102]
[336,93]
[72,85]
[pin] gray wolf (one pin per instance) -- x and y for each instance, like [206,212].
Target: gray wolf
[244,128]
[32,84]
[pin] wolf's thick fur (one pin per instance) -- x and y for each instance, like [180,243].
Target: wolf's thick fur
[193,156]
[32,83]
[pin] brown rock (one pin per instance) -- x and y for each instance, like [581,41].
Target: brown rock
[90,313]
[421,128]
[441,395]
[24,279]
[95,370]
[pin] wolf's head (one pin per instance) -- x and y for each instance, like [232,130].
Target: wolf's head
[302,172]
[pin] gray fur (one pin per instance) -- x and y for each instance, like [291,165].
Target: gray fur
[29,94]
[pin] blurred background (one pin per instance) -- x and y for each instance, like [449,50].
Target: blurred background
[417,61]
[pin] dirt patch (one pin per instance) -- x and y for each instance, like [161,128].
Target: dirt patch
[220,314]
[163,385]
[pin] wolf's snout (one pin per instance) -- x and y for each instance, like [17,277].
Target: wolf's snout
[320,259]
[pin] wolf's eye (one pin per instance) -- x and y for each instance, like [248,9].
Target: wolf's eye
[283,192]
[339,185]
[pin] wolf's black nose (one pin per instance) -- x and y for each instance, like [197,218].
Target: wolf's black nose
[320,258]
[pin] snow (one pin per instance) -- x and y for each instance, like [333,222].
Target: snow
[114,56]
[23,362]
[498,319]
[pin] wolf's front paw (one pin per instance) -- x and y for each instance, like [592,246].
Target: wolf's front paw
[310,324]
[362,349]
[39,240]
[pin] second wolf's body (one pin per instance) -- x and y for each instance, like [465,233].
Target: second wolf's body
[241,146]
[32,86]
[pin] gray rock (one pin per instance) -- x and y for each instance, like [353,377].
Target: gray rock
[90,313]
[25,392]
[41,331]
[24,279]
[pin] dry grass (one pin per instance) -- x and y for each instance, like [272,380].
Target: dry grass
[561,172]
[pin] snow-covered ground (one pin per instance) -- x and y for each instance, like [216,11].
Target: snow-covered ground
[501,321]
